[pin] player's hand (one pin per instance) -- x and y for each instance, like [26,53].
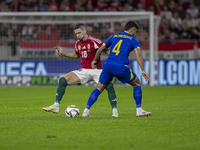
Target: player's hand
[94,64]
[145,75]
[59,50]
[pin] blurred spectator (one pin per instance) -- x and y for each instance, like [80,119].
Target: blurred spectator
[185,32]
[28,33]
[27,5]
[140,7]
[11,42]
[4,7]
[115,5]
[163,26]
[131,3]
[22,8]
[165,12]
[189,21]
[4,33]
[79,5]
[66,6]
[15,5]
[176,31]
[35,8]
[43,4]
[193,11]
[127,7]
[16,31]
[53,6]
[101,6]
[172,6]
[160,4]
[196,32]
[168,37]
[176,20]
[180,11]
[174,14]
[152,8]
[89,6]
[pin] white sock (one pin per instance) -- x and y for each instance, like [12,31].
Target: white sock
[86,110]
[114,109]
[56,104]
[139,109]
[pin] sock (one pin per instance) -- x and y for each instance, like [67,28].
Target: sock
[138,109]
[93,98]
[114,109]
[61,89]
[137,94]
[56,104]
[86,110]
[112,95]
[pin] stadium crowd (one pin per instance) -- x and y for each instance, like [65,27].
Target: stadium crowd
[180,19]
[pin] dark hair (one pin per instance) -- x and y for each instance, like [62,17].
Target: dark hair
[130,24]
[79,25]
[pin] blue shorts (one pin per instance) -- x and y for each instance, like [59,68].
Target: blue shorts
[122,73]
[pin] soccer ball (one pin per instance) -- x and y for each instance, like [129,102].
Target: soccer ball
[72,111]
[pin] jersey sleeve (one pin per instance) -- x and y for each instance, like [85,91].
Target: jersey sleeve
[136,44]
[99,43]
[107,43]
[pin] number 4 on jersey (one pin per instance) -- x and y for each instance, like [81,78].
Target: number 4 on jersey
[117,47]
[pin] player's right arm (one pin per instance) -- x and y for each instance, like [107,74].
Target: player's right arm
[141,63]
[97,55]
[61,53]
[107,51]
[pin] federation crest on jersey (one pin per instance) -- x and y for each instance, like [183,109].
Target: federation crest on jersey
[79,47]
[88,46]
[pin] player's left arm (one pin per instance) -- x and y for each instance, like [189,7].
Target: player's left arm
[97,55]
[141,63]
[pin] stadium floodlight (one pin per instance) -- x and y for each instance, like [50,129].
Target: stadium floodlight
[98,23]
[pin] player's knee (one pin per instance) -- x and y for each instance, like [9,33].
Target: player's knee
[136,82]
[62,82]
[110,87]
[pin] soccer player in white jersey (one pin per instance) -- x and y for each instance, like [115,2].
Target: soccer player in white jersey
[85,49]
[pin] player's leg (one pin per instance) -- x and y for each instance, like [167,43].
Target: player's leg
[113,98]
[110,89]
[137,94]
[69,79]
[93,98]
[104,80]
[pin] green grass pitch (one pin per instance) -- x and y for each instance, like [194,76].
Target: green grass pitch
[173,125]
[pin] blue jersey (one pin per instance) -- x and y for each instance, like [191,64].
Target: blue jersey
[121,45]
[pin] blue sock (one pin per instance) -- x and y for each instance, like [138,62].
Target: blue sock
[137,94]
[93,98]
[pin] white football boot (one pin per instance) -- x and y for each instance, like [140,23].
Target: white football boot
[86,113]
[115,113]
[52,108]
[142,113]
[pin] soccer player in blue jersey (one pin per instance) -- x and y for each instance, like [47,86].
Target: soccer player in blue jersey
[117,66]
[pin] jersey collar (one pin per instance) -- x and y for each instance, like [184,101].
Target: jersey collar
[127,32]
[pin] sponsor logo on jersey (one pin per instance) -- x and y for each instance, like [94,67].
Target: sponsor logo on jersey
[84,47]
[79,47]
